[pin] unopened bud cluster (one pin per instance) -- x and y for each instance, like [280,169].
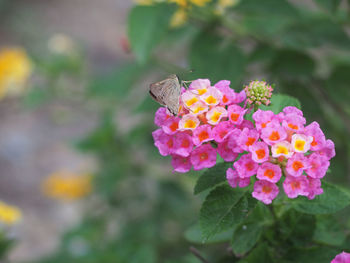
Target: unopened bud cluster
[258,92]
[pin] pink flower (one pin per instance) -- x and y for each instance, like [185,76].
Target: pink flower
[164,142]
[273,133]
[198,108]
[232,141]
[222,131]
[301,143]
[262,118]
[200,86]
[265,191]
[247,124]
[183,144]
[181,164]
[292,110]
[342,258]
[260,152]
[297,164]
[293,122]
[228,94]
[215,115]
[314,188]
[203,156]
[269,172]
[212,97]
[234,180]
[161,116]
[240,97]
[226,152]
[328,150]
[188,122]
[235,114]
[245,166]
[247,138]
[282,148]
[319,140]
[202,134]
[318,165]
[171,125]
[295,186]
[188,98]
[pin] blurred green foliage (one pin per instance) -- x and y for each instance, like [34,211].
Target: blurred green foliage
[142,213]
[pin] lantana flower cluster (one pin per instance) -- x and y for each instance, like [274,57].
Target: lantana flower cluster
[281,146]
[208,115]
[278,149]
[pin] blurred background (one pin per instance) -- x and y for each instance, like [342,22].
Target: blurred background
[80,178]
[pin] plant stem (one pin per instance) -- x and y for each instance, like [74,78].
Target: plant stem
[198,255]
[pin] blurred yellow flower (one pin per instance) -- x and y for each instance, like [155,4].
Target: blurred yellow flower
[67,186]
[15,69]
[179,18]
[9,215]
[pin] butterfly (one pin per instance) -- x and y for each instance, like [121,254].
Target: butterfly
[167,93]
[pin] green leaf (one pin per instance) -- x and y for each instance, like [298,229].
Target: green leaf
[329,5]
[260,254]
[146,27]
[212,177]
[118,82]
[245,237]
[279,101]
[194,235]
[224,208]
[292,64]
[332,200]
[297,228]
[211,58]
[328,231]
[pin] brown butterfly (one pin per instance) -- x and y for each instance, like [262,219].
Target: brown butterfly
[167,93]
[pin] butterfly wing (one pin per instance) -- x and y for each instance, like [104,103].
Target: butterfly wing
[167,93]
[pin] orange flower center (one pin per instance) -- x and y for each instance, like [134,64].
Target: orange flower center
[170,143]
[295,185]
[269,173]
[250,141]
[260,153]
[297,165]
[203,156]
[274,136]
[174,126]
[314,143]
[292,126]
[224,99]
[234,116]
[249,166]
[266,189]
[203,135]
[222,134]
[185,143]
